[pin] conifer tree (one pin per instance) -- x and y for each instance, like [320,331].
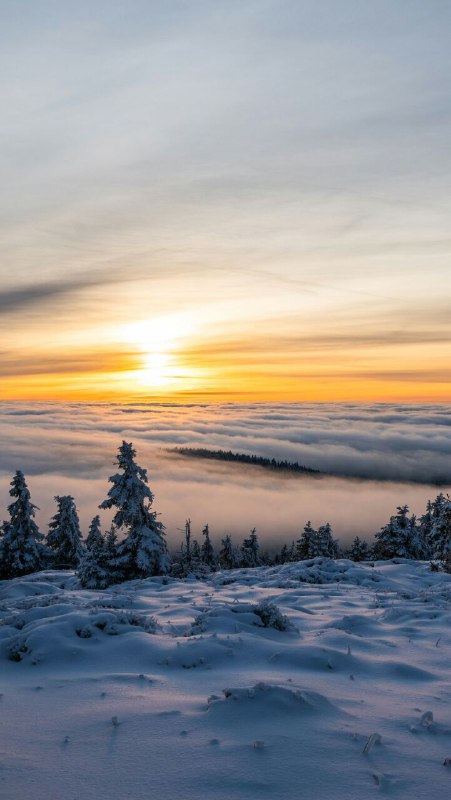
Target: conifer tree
[195,553]
[359,551]
[305,544]
[393,540]
[441,532]
[327,545]
[283,556]
[249,550]
[21,549]
[93,571]
[64,536]
[425,526]
[433,527]
[94,534]
[182,563]
[143,551]
[227,555]
[207,552]
[186,547]
[112,556]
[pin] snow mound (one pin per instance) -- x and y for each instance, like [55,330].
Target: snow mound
[272,699]
[235,617]
[47,627]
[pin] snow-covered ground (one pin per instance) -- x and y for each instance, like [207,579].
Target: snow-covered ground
[171,689]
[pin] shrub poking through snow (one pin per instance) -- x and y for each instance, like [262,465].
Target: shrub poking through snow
[271,616]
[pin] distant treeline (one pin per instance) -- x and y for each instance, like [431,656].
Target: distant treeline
[244,458]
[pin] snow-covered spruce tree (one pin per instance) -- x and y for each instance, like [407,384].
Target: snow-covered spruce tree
[227,555]
[249,551]
[328,546]
[284,556]
[441,533]
[197,565]
[359,551]
[94,534]
[143,551]
[21,548]
[395,538]
[93,571]
[112,556]
[305,544]
[206,550]
[425,528]
[64,536]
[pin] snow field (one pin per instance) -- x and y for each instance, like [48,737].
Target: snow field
[250,684]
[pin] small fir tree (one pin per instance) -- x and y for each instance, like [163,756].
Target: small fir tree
[93,571]
[284,556]
[207,552]
[21,549]
[393,540]
[112,556]
[143,551]
[227,555]
[441,533]
[359,551]
[64,536]
[327,545]
[94,534]
[249,550]
[182,563]
[304,545]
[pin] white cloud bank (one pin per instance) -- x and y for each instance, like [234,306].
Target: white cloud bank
[400,450]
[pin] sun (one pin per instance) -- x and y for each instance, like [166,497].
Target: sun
[157,370]
[159,342]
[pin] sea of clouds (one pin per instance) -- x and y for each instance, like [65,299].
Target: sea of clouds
[380,455]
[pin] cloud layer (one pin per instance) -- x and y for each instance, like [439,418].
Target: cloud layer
[399,450]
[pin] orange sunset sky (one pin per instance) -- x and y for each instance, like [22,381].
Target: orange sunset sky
[241,201]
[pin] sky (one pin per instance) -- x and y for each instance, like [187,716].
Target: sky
[243,200]
[396,453]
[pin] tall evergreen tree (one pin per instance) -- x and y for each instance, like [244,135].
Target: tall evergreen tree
[207,552]
[249,550]
[327,545]
[112,556]
[143,551]
[21,549]
[94,534]
[182,563]
[394,538]
[305,544]
[64,536]
[432,531]
[360,550]
[94,570]
[284,556]
[196,556]
[227,554]
[441,532]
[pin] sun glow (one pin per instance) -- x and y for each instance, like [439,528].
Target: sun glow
[160,342]
[157,370]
